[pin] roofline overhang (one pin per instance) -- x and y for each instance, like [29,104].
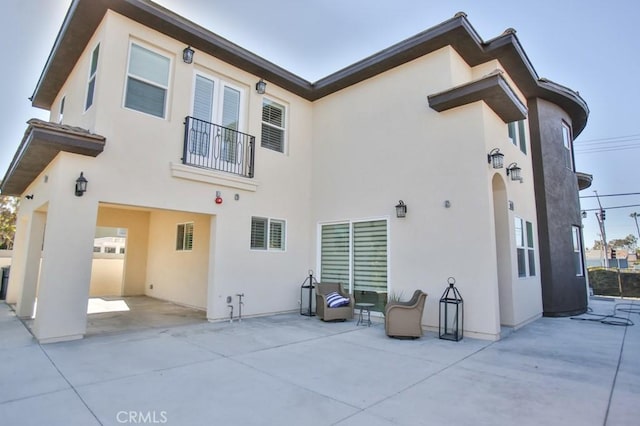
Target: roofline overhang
[41,143]
[84,16]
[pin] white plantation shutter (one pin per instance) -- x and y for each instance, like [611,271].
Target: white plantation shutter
[273,125]
[203,99]
[276,234]
[334,256]
[370,256]
[259,233]
[147,81]
[149,66]
[231,108]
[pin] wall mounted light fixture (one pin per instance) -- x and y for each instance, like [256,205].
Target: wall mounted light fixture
[261,87]
[81,185]
[401,209]
[187,55]
[29,197]
[514,171]
[496,158]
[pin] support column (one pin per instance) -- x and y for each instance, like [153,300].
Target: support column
[66,269]
[30,265]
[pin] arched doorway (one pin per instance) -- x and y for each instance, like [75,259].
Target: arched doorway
[503,249]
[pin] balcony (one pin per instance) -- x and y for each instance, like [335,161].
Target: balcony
[213,147]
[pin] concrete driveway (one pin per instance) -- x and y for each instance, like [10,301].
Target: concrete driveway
[290,369]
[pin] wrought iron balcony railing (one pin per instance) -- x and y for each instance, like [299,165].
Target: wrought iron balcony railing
[214,147]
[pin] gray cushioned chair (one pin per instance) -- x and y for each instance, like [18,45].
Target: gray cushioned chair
[324,312]
[404,319]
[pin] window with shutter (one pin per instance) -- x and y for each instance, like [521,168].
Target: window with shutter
[91,85]
[147,81]
[566,141]
[518,134]
[184,236]
[273,125]
[370,256]
[200,143]
[268,234]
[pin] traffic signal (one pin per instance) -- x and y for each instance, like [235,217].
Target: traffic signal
[613,254]
[602,214]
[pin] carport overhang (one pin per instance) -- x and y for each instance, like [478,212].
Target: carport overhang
[41,143]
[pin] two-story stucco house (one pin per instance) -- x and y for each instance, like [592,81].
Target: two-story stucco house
[232,175]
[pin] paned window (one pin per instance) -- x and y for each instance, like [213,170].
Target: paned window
[184,237]
[525,250]
[517,134]
[273,125]
[91,85]
[268,234]
[147,81]
[577,251]
[566,141]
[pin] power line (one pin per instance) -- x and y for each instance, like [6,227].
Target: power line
[611,195]
[611,208]
[637,135]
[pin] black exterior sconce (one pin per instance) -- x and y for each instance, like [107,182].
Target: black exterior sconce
[187,55]
[401,209]
[514,171]
[261,87]
[496,158]
[81,185]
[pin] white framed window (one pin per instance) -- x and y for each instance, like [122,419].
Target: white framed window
[61,113]
[216,103]
[577,251]
[147,83]
[91,84]
[525,250]
[184,236]
[518,134]
[268,234]
[273,125]
[567,143]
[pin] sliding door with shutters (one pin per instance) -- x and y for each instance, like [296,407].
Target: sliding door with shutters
[356,254]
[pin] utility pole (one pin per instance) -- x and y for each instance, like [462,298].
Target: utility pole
[635,216]
[601,216]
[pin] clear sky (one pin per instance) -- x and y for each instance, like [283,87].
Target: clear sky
[592,47]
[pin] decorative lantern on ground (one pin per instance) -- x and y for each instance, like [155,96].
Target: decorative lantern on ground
[307,296]
[451,313]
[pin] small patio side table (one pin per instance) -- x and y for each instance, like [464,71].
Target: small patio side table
[364,308]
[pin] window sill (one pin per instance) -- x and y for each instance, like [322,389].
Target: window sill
[213,177]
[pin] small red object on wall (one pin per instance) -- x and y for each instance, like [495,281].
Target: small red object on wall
[218,200]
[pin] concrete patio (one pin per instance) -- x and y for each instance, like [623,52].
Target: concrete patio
[290,369]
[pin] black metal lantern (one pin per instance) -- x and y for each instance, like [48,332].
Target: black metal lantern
[81,185]
[451,313]
[401,209]
[496,158]
[187,55]
[514,171]
[261,87]
[307,296]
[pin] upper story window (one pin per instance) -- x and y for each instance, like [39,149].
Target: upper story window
[273,125]
[566,141]
[147,81]
[216,102]
[517,134]
[91,85]
[61,114]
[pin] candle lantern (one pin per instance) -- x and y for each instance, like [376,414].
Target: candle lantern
[307,296]
[451,313]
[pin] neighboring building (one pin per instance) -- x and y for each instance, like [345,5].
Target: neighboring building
[224,189]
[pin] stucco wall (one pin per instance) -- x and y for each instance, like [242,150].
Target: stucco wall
[563,292]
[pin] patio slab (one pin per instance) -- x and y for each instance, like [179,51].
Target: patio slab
[289,369]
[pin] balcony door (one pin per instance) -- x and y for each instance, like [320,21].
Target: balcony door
[216,109]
